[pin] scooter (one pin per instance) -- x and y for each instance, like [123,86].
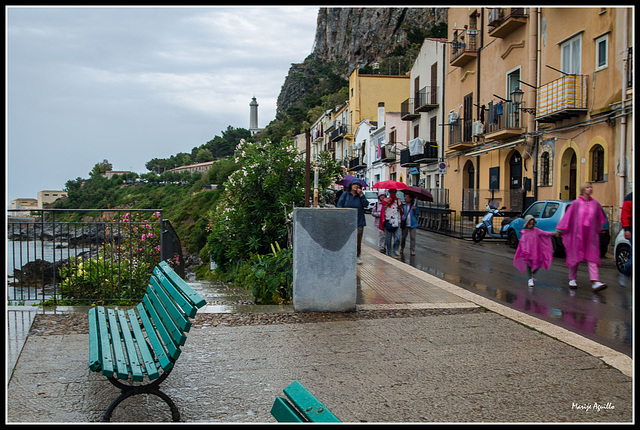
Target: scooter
[485,227]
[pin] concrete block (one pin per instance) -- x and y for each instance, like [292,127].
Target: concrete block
[324,260]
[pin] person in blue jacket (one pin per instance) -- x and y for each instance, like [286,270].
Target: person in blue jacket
[409,223]
[354,198]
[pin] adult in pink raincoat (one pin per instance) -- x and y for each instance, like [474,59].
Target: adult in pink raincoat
[535,249]
[580,229]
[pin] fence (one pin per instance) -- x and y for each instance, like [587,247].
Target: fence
[438,217]
[86,256]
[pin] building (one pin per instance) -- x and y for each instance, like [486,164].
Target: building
[192,168]
[538,101]
[47,197]
[366,92]
[25,204]
[253,117]
[423,111]
[110,173]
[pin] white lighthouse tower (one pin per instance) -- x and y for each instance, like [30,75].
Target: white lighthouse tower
[253,118]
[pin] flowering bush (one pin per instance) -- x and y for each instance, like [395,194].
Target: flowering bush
[121,268]
[256,207]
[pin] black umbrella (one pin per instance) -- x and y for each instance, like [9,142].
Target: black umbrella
[419,193]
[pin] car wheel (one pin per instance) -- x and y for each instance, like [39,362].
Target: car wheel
[623,253]
[513,239]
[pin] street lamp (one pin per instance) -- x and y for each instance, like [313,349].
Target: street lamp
[516,97]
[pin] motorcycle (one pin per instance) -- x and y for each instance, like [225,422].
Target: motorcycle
[485,227]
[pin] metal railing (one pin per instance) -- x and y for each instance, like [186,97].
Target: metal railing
[86,256]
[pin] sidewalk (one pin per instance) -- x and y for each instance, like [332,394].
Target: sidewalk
[471,361]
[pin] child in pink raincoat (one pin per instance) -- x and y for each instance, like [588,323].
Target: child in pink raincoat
[580,228]
[534,249]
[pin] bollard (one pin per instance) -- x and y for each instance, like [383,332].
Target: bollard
[324,260]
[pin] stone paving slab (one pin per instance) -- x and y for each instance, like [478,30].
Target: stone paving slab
[478,367]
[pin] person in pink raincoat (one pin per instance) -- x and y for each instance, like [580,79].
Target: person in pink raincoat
[580,229]
[534,251]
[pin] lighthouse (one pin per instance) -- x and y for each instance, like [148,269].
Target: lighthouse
[253,117]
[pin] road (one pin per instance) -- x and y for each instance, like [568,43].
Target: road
[486,268]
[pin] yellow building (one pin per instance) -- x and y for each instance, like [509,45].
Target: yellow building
[366,93]
[538,101]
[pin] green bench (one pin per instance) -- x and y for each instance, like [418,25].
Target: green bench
[140,346]
[301,406]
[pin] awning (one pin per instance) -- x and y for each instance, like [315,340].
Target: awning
[491,148]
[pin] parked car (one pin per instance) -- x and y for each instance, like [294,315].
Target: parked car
[372,196]
[622,251]
[548,214]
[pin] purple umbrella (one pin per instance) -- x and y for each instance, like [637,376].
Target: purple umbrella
[346,181]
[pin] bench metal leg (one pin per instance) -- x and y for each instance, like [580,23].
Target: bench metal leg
[132,390]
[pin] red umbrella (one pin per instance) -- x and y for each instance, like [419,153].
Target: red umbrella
[419,193]
[390,185]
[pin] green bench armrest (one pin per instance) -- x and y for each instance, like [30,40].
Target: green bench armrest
[301,406]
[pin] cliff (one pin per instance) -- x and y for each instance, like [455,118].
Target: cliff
[354,37]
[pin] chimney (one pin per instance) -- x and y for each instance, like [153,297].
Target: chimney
[380,114]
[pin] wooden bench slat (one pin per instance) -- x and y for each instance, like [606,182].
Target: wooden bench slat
[194,297]
[130,347]
[105,343]
[116,343]
[308,404]
[176,312]
[188,308]
[94,341]
[284,412]
[147,356]
[165,327]
[158,349]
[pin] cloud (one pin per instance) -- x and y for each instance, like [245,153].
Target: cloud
[129,84]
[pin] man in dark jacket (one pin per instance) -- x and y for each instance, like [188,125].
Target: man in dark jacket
[354,198]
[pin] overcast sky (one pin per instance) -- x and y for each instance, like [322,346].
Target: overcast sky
[131,84]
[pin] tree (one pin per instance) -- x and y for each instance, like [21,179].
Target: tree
[101,168]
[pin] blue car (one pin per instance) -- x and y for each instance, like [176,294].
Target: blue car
[548,214]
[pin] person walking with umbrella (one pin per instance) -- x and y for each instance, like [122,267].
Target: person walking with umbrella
[390,221]
[409,223]
[354,198]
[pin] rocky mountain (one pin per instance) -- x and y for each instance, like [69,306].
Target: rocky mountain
[354,37]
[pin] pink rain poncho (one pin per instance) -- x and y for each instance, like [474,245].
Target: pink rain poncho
[534,250]
[581,226]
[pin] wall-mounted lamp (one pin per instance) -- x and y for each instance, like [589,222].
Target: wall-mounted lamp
[516,97]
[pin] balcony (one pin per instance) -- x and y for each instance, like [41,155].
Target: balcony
[561,99]
[385,156]
[407,110]
[357,163]
[339,133]
[426,100]
[429,154]
[460,137]
[406,160]
[504,122]
[464,47]
[504,20]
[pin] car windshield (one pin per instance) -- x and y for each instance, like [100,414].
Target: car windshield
[535,209]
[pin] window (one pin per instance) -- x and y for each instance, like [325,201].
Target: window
[535,209]
[602,50]
[597,163]
[545,169]
[571,55]
[550,209]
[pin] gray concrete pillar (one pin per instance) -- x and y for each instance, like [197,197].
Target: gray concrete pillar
[324,260]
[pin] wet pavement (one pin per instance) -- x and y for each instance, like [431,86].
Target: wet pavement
[486,268]
[481,362]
